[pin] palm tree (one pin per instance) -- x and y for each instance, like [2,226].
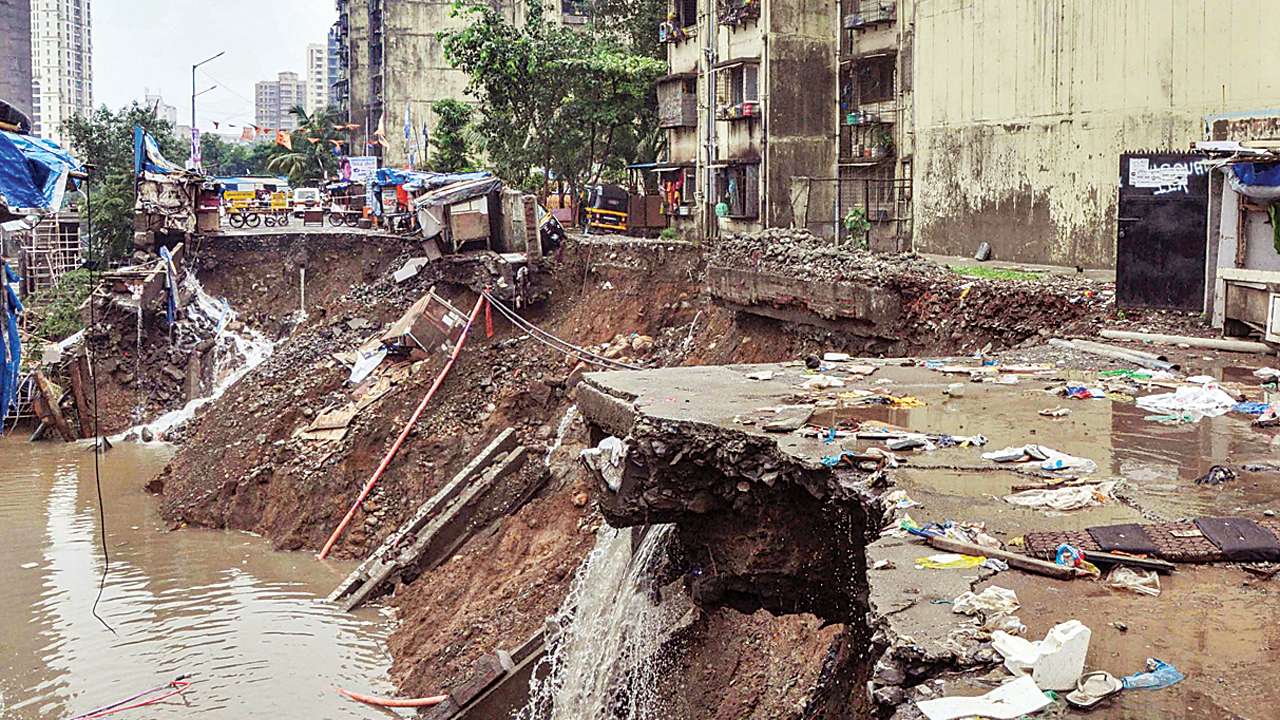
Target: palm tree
[311,158]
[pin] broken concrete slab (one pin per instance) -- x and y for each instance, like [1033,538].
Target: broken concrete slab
[691,461]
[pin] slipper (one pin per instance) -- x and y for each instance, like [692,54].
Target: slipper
[1092,688]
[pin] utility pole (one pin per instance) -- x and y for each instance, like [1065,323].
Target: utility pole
[195,149]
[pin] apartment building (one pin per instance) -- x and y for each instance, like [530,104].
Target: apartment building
[748,107]
[15,57]
[392,67]
[333,65]
[61,64]
[273,99]
[317,97]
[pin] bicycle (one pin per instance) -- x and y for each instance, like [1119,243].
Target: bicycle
[244,219]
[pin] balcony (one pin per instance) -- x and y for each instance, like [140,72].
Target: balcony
[737,12]
[867,13]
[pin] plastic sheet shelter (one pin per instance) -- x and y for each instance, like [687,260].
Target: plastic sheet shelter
[34,174]
[1257,180]
[412,181]
[147,160]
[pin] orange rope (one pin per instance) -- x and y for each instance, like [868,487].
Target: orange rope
[386,460]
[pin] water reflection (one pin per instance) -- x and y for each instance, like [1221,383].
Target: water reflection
[247,622]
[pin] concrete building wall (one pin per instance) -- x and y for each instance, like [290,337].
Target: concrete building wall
[15,54]
[1023,108]
[416,72]
[61,64]
[800,89]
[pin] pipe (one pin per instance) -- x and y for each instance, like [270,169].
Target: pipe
[1243,346]
[394,702]
[417,413]
[1146,359]
[1113,353]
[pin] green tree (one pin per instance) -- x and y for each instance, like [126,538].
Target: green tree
[449,142]
[224,158]
[311,159]
[576,105]
[103,139]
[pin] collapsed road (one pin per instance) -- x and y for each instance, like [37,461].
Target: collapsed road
[767,506]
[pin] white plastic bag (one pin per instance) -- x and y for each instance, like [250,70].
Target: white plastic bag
[1144,582]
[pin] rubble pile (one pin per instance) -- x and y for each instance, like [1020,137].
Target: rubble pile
[903,304]
[799,252]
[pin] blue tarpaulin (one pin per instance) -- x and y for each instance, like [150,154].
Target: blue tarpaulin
[10,344]
[147,159]
[412,180]
[34,173]
[1256,180]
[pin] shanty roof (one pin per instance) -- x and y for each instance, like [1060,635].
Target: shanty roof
[34,173]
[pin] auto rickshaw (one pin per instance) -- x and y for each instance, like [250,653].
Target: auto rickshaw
[606,208]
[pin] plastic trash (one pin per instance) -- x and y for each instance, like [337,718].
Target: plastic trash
[1159,674]
[1063,499]
[1143,582]
[1203,401]
[994,600]
[606,459]
[1009,701]
[1054,663]
[950,561]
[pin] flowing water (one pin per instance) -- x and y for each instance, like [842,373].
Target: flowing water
[602,660]
[570,414]
[233,355]
[246,621]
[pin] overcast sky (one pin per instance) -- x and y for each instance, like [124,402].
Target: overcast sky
[141,44]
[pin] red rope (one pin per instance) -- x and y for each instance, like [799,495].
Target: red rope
[386,460]
[179,687]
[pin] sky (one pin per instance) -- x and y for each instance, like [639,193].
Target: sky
[141,45]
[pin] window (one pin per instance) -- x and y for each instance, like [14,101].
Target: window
[873,79]
[738,186]
[738,90]
[686,13]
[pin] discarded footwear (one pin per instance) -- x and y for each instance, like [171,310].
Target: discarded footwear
[1094,687]
[1217,475]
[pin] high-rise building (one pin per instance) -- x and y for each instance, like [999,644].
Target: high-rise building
[163,110]
[333,58]
[61,64]
[273,99]
[15,55]
[317,77]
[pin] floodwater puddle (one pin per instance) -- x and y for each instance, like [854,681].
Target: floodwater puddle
[248,623]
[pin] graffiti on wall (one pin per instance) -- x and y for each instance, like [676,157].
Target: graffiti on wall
[1163,178]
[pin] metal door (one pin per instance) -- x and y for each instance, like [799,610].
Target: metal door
[1161,241]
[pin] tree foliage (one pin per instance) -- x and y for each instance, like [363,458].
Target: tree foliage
[224,158]
[450,149]
[576,104]
[311,159]
[103,139]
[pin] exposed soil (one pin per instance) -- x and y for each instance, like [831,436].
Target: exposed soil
[241,466]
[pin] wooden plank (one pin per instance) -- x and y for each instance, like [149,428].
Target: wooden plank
[445,533]
[1022,562]
[1101,558]
[51,403]
[504,442]
[486,671]
[83,411]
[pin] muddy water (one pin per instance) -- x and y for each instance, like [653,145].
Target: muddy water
[247,622]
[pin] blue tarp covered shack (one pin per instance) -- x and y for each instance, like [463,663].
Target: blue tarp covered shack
[412,180]
[147,160]
[34,174]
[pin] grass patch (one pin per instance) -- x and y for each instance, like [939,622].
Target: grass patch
[995,273]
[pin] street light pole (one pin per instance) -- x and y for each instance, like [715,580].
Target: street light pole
[195,150]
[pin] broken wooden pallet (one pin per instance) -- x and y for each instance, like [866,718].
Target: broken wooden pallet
[471,500]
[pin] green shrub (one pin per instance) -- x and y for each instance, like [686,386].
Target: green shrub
[58,307]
